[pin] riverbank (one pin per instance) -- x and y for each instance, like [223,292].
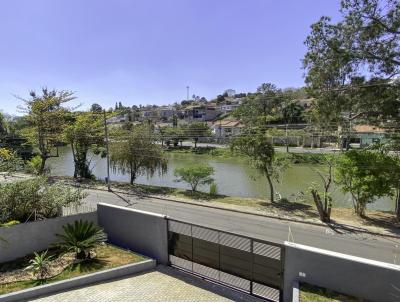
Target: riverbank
[344,221]
[212,152]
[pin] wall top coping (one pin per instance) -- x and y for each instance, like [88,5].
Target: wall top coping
[132,210]
[342,256]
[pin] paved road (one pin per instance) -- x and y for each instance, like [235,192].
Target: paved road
[376,248]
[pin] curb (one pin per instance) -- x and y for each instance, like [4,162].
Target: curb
[346,228]
[81,281]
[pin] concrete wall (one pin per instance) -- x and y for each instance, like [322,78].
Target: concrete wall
[26,238]
[358,277]
[140,231]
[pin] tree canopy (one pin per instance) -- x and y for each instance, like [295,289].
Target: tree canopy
[195,175]
[136,152]
[47,118]
[350,65]
[262,156]
[84,133]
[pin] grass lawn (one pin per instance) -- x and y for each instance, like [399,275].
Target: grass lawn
[310,293]
[376,221]
[107,256]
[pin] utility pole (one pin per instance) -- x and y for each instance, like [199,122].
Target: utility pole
[107,150]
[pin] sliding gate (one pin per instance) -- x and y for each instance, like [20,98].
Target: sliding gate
[250,265]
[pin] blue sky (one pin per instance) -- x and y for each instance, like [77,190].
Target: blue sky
[147,52]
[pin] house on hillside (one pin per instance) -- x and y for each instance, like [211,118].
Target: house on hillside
[201,113]
[166,113]
[228,107]
[119,119]
[363,136]
[225,129]
[149,114]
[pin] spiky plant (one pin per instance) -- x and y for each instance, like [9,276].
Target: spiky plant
[40,265]
[80,237]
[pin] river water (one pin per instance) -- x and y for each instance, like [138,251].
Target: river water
[233,177]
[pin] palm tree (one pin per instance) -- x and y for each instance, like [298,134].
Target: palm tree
[80,237]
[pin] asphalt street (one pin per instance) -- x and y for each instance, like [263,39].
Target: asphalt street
[356,244]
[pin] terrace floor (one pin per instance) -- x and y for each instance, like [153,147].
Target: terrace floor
[163,284]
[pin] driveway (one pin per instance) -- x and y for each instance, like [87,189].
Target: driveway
[164,284]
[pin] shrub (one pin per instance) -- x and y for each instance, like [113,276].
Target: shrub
[80,237]
[213,189]
[33,166]
[10,223]
[40,265]
[34,199]
[9,161]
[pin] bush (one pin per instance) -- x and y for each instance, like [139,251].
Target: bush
[33,166]
[213,189]
[34,199]
[10,223]
[80,237]
[9,161]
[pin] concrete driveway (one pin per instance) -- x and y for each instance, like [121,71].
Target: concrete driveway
[164,284]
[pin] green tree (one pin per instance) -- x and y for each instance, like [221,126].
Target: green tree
[80,238]
[195,175]
[174,134]
[324,205]
[137,153]
[47,118]
[366,175]
[262,156]
[196,130]
[96,108]
[85,134]
[365,42]
[3,126]
[260,108]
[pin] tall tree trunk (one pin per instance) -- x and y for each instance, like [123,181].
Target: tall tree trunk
[398,204]
[42,164]
[271,187]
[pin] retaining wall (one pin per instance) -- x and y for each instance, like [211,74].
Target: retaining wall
[25,238]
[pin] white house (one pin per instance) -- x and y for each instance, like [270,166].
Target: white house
[224,129]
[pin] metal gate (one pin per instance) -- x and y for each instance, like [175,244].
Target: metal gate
[247,264]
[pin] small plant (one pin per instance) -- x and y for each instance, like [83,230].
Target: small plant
[40,265]
[81,237]
[10,223]
[34,165]
[213,189]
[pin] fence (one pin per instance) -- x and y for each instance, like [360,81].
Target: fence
[78,209]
